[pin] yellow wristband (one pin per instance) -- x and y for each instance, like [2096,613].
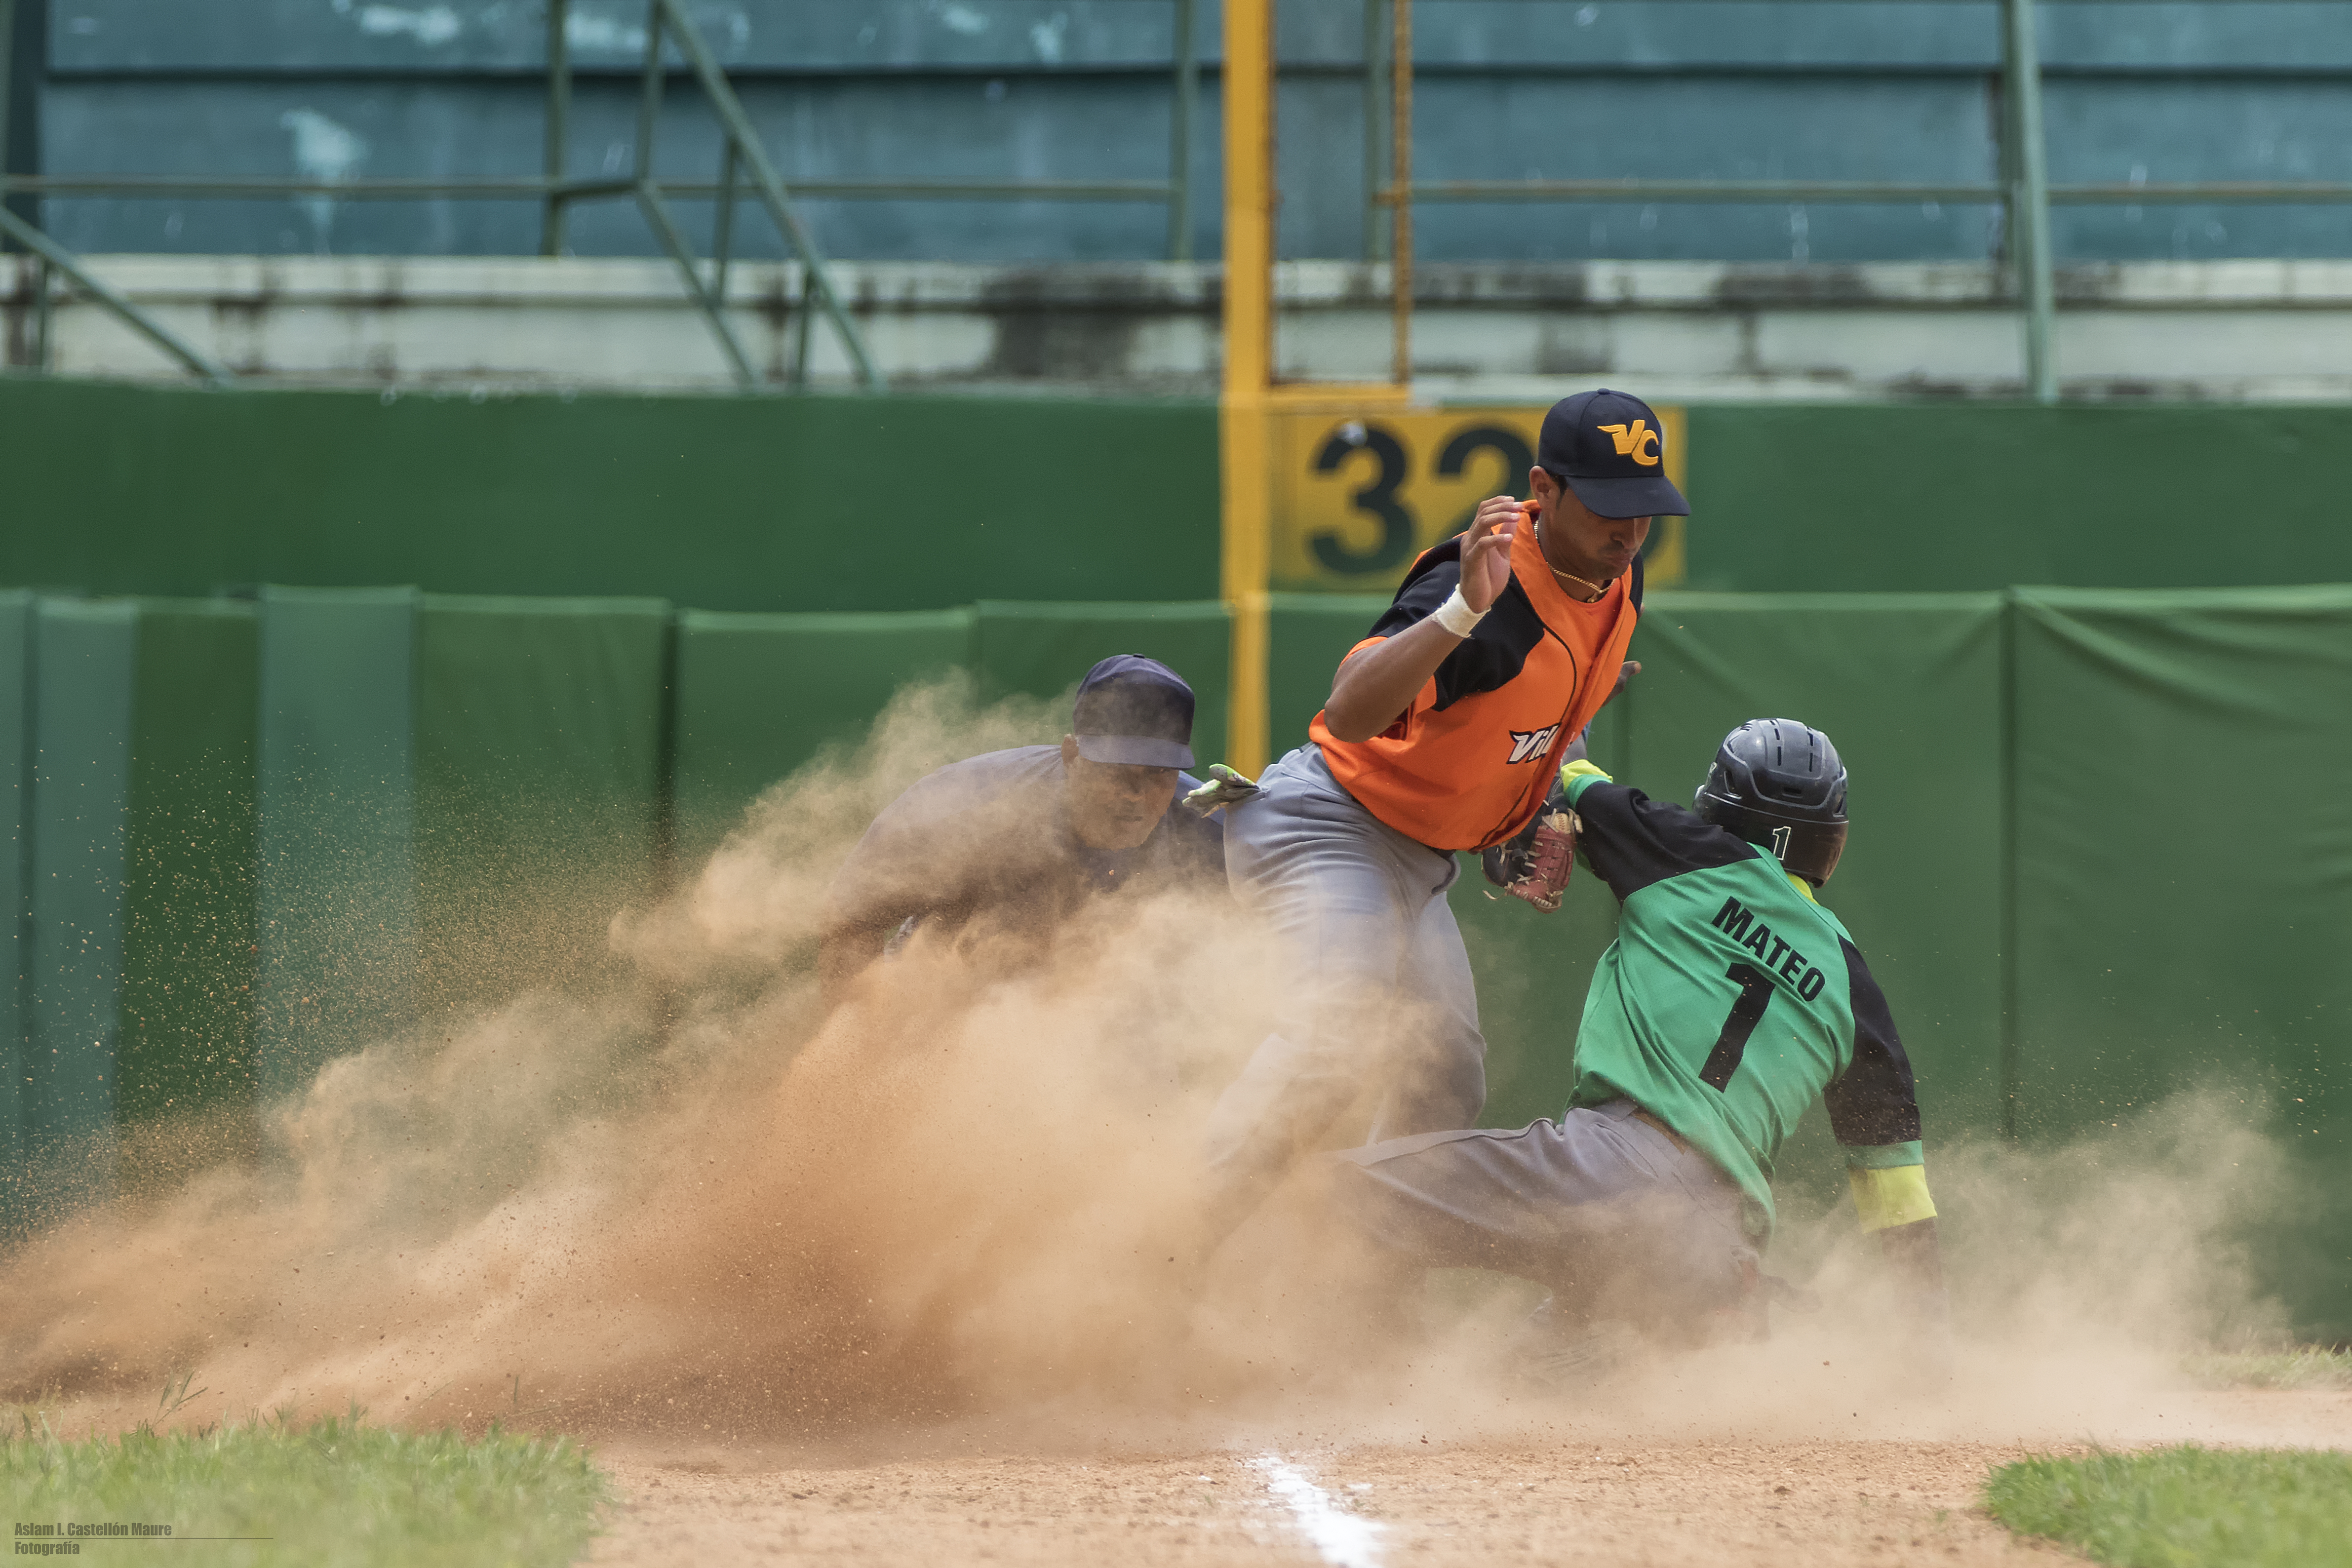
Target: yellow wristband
[1581,769]
[1884,1199]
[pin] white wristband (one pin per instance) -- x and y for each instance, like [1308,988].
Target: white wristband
[1456,616]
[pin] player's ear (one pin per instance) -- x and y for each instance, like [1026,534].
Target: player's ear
[1069,750]
[1542,487]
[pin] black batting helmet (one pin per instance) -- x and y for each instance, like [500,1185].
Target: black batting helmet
[1779,784]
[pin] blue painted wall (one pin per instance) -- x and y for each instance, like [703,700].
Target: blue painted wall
[1079,89]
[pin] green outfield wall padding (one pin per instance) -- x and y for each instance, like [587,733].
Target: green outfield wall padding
[189,941]
[1908,688]
[816,503]
[84,660]
[2184,881]
[15,877]
[1905,497]
[541,728]
[1044,650]
[524,700]
[757,696]
[336,879]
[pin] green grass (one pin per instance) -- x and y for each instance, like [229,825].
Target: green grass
[2308,1368]
[336,1492]
[2187,1507]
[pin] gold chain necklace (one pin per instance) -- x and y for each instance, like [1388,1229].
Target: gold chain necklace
[1599,589]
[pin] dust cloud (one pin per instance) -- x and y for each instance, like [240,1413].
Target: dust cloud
[690,1201]
[2082,1271]
[690,1204]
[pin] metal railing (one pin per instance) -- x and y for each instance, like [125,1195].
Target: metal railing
[2023,192]
[745,174]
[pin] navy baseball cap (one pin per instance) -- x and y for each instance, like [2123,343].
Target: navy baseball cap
[1134,710]
[1608,447]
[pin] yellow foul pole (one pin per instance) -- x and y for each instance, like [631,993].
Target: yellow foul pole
[1241,426]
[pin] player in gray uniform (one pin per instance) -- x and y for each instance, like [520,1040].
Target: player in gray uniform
[1729,1000]
[1001,848]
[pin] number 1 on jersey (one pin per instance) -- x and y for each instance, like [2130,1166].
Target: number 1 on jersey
[1755,996]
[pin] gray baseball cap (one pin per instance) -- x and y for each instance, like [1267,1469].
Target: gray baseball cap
[1134,711]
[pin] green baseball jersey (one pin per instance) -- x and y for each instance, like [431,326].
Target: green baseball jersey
[1731,998]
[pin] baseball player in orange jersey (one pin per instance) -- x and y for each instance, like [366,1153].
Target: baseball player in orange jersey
[1444,729]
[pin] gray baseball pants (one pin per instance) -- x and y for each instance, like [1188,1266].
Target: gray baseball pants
[1380,997]
[1615,1217]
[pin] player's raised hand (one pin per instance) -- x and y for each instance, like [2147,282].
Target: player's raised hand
[1487,551]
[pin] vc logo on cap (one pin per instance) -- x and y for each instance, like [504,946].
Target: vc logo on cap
[1630,440]
[1610,448]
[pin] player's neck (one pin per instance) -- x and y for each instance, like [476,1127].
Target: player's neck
[1584,590]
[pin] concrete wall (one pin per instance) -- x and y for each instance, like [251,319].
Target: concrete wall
[1677,331]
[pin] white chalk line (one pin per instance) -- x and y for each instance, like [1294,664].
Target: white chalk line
[1344,1540]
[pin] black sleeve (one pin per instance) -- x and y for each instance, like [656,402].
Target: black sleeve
[1494,652]
[1633,588]
[1873,1101]
[1632,841]
[1430,583]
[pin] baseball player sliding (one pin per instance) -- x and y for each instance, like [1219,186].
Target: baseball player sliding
[1729,999]
[1445,730]
[999,851]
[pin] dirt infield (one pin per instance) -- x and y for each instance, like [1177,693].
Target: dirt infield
[1818,1502]
[1821,1504]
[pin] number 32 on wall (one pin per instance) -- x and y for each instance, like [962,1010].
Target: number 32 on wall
[1356,498]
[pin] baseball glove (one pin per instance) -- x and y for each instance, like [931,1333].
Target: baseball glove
[1225,788]
[1535,863]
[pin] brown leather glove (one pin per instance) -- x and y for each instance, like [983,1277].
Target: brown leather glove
[1535,862]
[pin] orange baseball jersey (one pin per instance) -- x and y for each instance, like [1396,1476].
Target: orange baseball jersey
[1468,764]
